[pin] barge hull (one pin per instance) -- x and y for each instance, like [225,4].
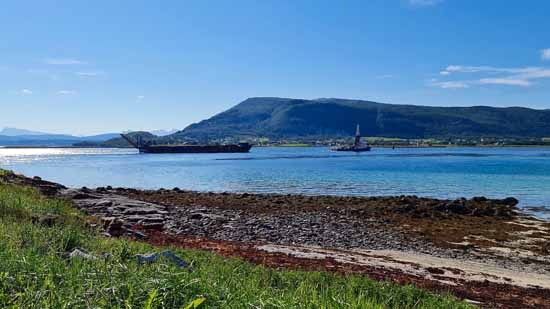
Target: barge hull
[197,149]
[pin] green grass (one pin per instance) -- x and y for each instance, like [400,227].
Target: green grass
[34,273]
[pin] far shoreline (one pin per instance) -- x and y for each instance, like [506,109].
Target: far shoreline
[300,146]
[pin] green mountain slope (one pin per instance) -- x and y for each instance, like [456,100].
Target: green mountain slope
[294,118]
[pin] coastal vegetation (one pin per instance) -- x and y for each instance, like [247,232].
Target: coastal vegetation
[37,232]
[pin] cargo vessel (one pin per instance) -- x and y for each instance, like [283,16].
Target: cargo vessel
[357,145]
[148,147]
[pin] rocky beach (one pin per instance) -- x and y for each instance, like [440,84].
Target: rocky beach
[483,250]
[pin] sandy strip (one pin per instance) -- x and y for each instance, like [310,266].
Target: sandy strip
[434,268]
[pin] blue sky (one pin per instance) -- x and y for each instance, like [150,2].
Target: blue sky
[85,67]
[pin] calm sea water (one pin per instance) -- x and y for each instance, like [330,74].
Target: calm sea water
[443,173]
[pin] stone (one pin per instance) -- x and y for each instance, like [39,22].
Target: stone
[155,257]
[196,216]
[48,220]
[103,203]
[80,253]
[82,196]
[510,201]
[141,211]
[138,234]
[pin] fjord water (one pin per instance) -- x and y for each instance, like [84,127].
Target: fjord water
[523,173]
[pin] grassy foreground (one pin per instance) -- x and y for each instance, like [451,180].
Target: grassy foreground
[34,273]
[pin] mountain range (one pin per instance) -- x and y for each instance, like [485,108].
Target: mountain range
[285,118]
[330,118]
[45,139]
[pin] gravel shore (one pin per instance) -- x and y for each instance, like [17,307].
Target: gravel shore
[348,234]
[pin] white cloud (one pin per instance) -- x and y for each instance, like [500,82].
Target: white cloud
[63,61]
[493,76]
[140,97]
[385,76]
[477,69]
[545,54]
[450,84]
[424,2]
[533,73]
[25,91]
[504,81]
[66,92]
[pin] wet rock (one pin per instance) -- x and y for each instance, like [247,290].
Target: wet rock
[510,201]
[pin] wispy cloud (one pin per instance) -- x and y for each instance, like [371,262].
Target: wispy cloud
[505,81]
[424,2]
[384,76]
[545,54]
[522,76]
[88,74]
[66,92]
[489,69]
[63,61]
[449,84]
[25,91]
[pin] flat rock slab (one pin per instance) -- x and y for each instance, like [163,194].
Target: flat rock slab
[111,206]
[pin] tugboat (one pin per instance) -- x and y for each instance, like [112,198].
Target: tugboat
[148,147]
[357,145]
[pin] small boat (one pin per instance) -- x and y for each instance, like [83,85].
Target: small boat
[357,145]
[148,147]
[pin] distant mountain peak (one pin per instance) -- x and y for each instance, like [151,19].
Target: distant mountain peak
[9,131]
